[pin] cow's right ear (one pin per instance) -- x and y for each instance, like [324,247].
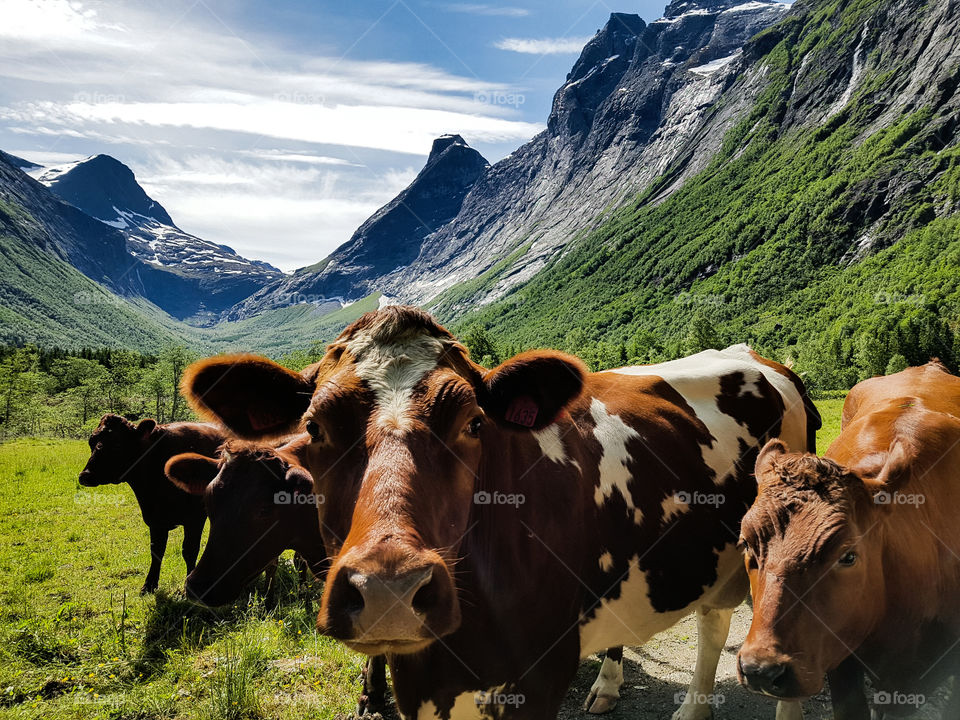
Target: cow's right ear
[252,396]
[191,472]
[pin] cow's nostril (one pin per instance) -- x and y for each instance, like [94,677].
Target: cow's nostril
[351,598]
[426,597]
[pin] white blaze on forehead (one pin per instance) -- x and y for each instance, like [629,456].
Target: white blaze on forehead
[697,380]
[392,370]
[613,434]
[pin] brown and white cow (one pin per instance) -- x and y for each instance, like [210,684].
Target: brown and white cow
[854,559]
[261,500]
[508,522]
[121,452]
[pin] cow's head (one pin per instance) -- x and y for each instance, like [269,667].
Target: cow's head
[400,419]
[115,448]
[258,500]
[814,565]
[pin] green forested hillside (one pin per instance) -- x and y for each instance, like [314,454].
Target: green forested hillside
[833,243]
[45,300]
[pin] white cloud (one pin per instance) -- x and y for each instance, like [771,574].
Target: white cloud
[543,46]
[488,10]
[280,154]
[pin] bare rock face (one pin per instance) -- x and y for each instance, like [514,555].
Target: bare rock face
[217,277]
[390,239]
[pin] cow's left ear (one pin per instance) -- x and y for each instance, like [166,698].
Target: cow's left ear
[252,396]
[530,389]
[146,428]
[191,472]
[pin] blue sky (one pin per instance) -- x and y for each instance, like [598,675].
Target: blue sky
[278,127]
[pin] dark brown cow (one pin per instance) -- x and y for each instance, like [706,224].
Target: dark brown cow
[508,522]
[121,452]
[854,559]
[261,501]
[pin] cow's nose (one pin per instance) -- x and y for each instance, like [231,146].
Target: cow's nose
[388,611]
[85,477]
[766,677]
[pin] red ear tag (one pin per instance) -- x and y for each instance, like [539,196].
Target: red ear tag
[523,411]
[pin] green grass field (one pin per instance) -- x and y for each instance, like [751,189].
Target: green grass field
[77,641]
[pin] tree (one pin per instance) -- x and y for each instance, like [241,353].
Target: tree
[481,346]
[173,361]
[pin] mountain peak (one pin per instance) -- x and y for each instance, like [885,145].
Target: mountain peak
[443,142]
[102,186]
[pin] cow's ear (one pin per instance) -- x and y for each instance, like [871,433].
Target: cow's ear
[146,428]
[768,455]
[887,471]
[191,472]
[299,480]
[252,396]
[530,390]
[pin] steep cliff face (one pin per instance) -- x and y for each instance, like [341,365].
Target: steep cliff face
[825,227]
[217,277]
[391,238]
[634,105]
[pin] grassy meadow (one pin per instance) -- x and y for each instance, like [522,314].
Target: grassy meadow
[78,641]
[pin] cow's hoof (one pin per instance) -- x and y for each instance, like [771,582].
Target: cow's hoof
[370,706]
[694,712]
[596,704]
[148,588]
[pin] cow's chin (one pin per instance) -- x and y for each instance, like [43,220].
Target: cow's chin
[389,647]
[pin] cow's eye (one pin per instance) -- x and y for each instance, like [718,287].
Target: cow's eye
[314,430]
[848,559]
[473,427]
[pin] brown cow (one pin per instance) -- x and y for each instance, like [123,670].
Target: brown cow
[120,452]
[509,522]
[854,559]
[261,501]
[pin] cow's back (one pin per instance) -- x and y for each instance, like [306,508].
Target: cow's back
[675,445]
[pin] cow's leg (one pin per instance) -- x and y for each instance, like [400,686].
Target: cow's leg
[270,574]
[713,626]
[374,696]
[303,575]
[789,710]
[192,533]
[158,546]
[605,692]
[846,691]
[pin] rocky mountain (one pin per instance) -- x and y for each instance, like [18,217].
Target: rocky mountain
[634,105]
[815,214]
[19,162]
[65,274]
[388,240]
[106,189]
